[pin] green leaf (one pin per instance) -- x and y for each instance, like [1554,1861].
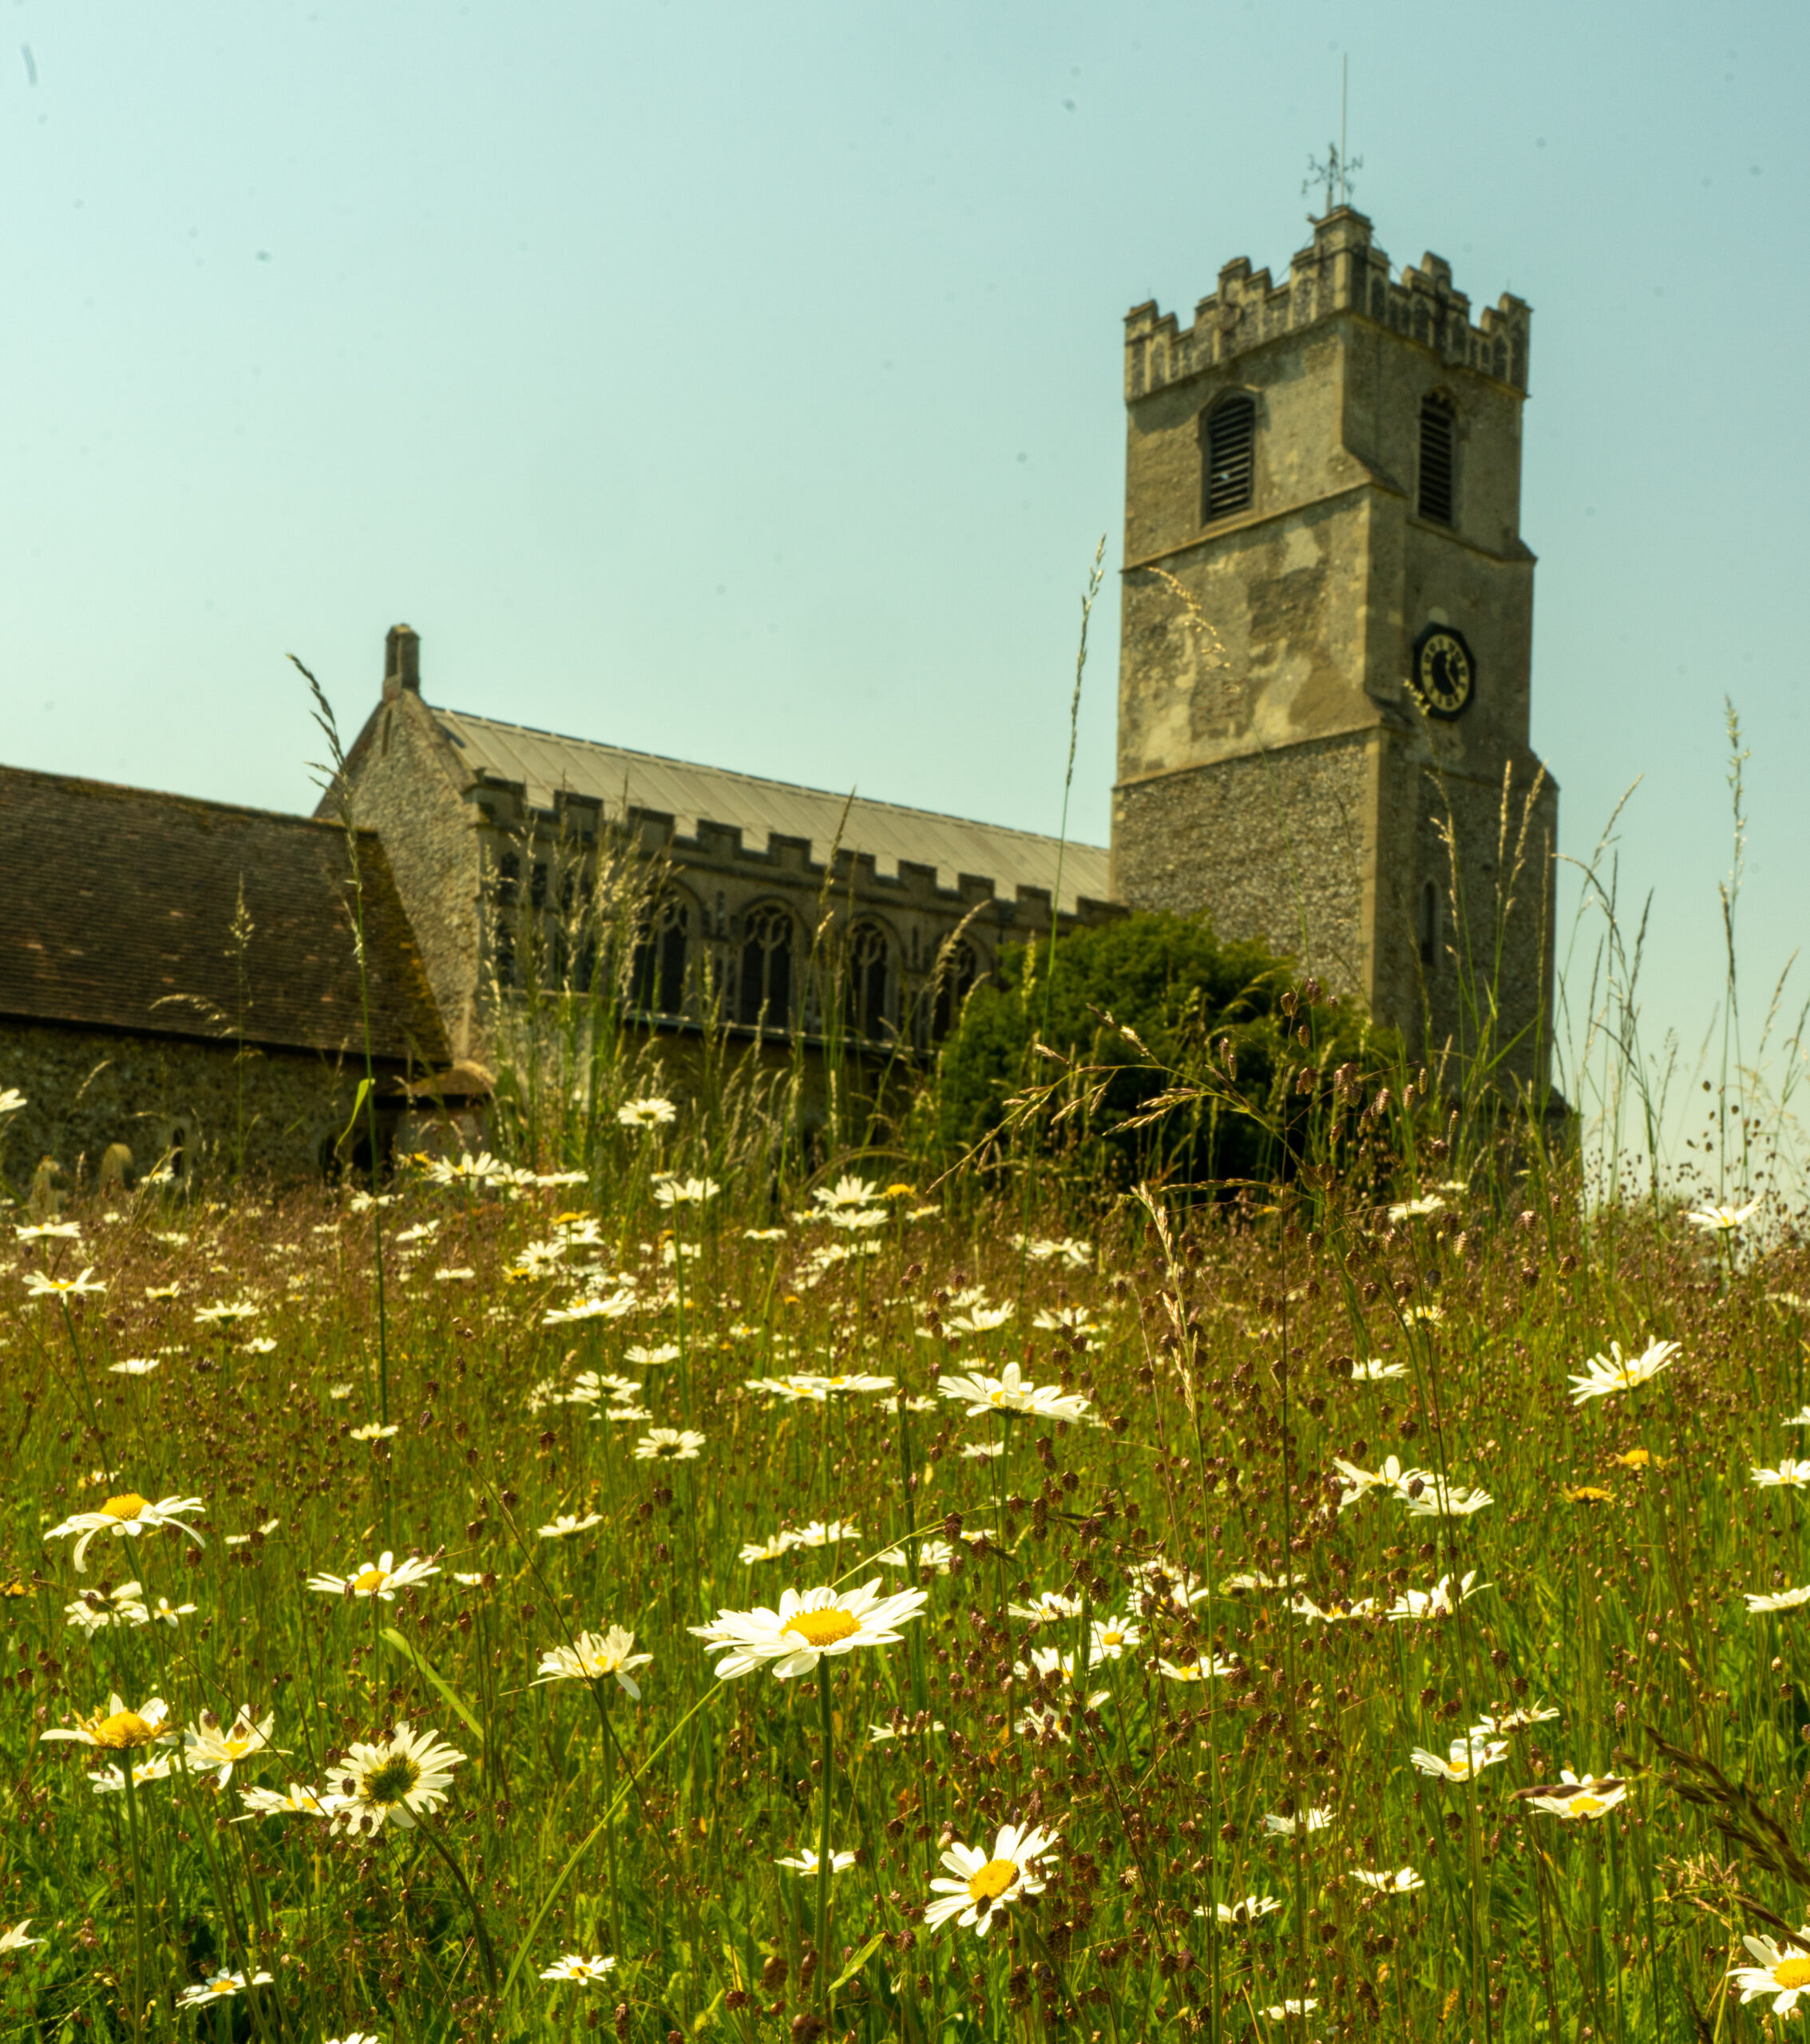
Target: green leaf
[414,1655]
[858,1962]
[352,1118]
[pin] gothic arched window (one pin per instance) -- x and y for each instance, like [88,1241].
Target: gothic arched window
[1429,925]
[864,996]
[957,967]
[1438,497]
[1231,458]
[763,983]
[505,894]
[656,983]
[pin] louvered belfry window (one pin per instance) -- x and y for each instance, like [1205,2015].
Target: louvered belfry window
[1231,449]
[1436,438]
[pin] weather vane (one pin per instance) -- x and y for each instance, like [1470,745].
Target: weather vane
[1335,172]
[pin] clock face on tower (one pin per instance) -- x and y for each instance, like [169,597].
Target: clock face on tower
[1444,672]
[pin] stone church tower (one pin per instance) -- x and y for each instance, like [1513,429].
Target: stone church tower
[1327,628]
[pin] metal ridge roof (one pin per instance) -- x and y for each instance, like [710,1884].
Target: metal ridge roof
[546,762]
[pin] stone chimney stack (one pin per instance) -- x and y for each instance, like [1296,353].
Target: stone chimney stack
[401,662]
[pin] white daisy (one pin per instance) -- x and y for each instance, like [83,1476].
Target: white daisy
[820,1534]
[1403,1881]
[1779,1600]
[95,1610]
[1333,1612]
[1203,1668]
[207,1749]
[1574,1800]
[1469,1756]
[668,1445]
[618,1305]
[1723,1220]
[293,1801]
[406,1775]
[1376,1370]
[804,1862]
[595,1657]
[1110,1639]
[1007,1392]
[1240,1915]
[137,1366]
[218,1987]
[1783,1971]
[127,1515]
[581,1971]
[985,1883]
[382,1577]
[116,1729]
[111,1780]
[808,1625]
[652,1358]
[1286,1827]
[1615,1372]
[15,1938]
[1517,1720]
[983,1320]
[41,1286]
[568,1523]
[671,1190]
[1358,1483]
[1049,1607]
[1439,1500]
[1440,1602]
[1790,1475]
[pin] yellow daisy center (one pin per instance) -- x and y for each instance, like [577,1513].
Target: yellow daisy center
[992,1881]
[128,1506]
[1112,1636]
[1592,1806]
[823,1628]
[1793,1973]
[124,1728]
[371,1582]
[391,1782]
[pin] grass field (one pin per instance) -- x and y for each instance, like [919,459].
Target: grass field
[1251,1585]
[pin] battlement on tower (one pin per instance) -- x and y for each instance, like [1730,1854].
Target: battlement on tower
[1343,271]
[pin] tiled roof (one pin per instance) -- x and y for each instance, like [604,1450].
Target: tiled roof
[546,763]
[117,907]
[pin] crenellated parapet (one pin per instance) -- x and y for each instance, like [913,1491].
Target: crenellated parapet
[1344,271]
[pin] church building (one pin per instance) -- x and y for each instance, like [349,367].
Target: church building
[1323,743]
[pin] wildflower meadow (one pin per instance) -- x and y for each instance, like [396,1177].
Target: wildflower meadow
[669,1607]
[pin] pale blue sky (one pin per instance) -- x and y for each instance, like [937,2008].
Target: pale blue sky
[743,383]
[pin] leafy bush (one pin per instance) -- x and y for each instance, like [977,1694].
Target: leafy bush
[1172,986]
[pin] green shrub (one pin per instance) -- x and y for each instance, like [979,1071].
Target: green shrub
[1183,992]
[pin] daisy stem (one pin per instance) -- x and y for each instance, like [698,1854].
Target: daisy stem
[609,1806]
[477,1923]
[826,1723]
[138,1899]
[908,1544]
[92,1417]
